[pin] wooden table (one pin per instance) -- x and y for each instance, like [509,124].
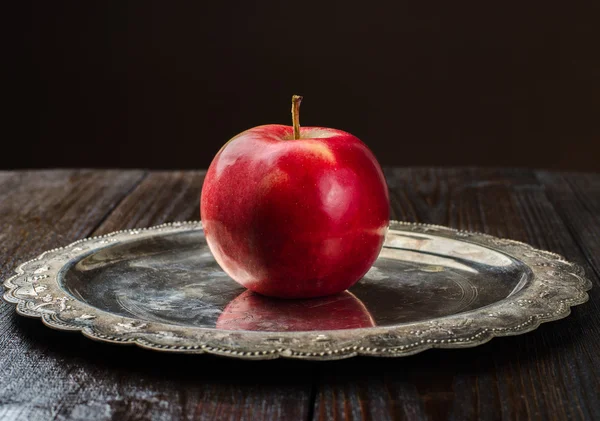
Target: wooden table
[552,373]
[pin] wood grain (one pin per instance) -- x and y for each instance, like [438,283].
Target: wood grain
[550,374]
[41,210]
[161,197]
[576,197]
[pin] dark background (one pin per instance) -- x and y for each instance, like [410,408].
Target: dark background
[163,84]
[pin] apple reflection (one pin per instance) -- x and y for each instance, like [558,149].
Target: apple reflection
[251,311]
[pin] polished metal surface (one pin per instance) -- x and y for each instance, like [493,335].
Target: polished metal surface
[431,287]
[174,279]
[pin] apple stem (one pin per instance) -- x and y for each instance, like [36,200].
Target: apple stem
[296,100]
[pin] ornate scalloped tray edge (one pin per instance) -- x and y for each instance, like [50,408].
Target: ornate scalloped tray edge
[556,286]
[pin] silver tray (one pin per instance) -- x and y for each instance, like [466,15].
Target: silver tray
[431,287]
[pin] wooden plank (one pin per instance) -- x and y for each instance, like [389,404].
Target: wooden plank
[41,210]
[577,199]
[552,373]
[75,378]
[164,196]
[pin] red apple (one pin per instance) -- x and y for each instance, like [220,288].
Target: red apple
[295,212]
[250,311]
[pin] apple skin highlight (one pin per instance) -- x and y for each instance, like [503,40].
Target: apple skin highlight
[295,218]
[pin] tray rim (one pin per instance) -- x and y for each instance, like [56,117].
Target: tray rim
[556,286]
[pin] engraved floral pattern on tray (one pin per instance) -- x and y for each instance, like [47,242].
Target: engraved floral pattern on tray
[556,285]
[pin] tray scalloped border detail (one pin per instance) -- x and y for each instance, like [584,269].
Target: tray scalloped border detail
[556,286]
